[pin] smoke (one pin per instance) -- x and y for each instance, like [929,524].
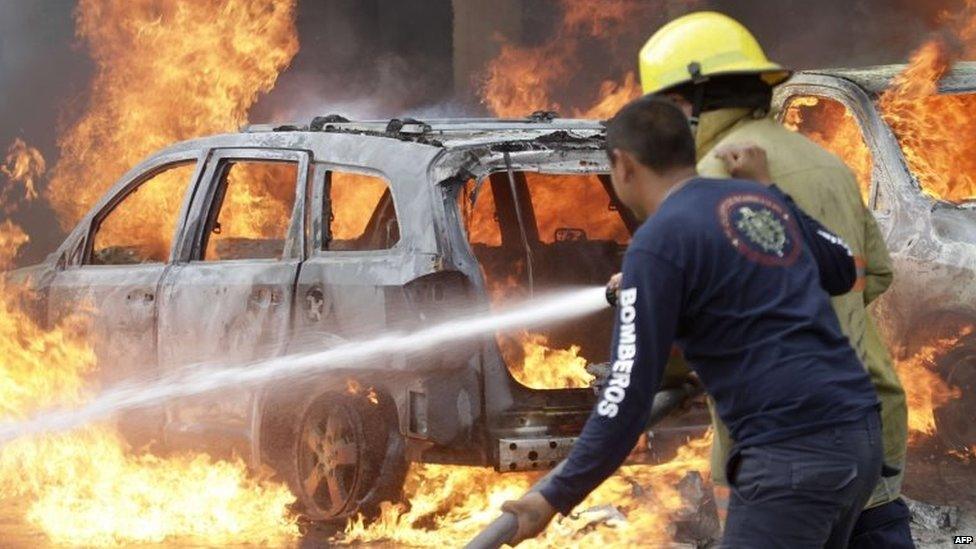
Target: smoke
[43,78]
[838,33]
[365,59]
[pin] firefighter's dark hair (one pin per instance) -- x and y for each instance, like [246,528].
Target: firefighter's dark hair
[655,131]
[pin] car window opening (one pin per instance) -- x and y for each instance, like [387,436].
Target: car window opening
[831,124]
[140,228]
[361,213]
[251,211]
[577,236]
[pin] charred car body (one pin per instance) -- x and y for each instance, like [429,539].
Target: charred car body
[272,239]
[932,239]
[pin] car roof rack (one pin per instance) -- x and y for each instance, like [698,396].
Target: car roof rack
[412,127]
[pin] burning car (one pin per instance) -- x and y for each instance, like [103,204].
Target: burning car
[277,238]
[902,129]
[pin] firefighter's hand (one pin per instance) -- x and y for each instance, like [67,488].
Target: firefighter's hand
[745,161]
[613,287]
[533,513]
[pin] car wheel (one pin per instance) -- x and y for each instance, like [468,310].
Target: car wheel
[953,419]
[348,458]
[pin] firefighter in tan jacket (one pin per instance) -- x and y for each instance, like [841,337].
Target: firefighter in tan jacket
[717,72]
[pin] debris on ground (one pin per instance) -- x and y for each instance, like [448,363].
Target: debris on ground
[696,522]
[932,517]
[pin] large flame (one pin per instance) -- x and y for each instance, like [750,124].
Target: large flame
[85,487]
[935,131]
[165,72]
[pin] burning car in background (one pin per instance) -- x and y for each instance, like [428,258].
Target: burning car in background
[909,134]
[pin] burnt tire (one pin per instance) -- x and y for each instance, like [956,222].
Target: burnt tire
[347,457]
[954,419]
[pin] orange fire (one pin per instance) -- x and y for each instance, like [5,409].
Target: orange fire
[933,130]
[166,71]
[542,367]
[451,504]
[85,488]
[23,166]
[520,81]
[355,197]
[925,389]
[831,124]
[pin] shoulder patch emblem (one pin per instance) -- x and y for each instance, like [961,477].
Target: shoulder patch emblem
[760,228]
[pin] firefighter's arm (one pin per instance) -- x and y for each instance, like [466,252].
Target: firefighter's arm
[877,263]
[676,371]
[647,319]
[835,262]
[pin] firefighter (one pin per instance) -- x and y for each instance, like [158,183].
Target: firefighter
[717,72]
[734,274]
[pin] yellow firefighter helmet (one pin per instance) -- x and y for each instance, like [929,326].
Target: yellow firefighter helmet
[699,45]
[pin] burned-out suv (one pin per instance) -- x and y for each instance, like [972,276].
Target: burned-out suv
[240,247]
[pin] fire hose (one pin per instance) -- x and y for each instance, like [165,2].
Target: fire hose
[503,529]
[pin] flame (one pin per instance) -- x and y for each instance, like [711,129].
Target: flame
[830,124]
[165,72]
[257,205]
[543,367]
[23,165]
[520,80]
[586,206]
[354,198]
[86,488]
[931,129]
[12,238]
[924,387]
[353,387]
[451,503]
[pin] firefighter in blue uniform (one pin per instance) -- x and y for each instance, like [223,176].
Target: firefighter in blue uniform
[739,278]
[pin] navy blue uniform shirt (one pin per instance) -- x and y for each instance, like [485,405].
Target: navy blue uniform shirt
[735,274]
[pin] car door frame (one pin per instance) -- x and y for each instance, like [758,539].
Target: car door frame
[892,186]
[129,303]
[273,303]
[76,251]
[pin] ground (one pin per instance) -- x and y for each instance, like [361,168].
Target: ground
[933,477]
[936,478]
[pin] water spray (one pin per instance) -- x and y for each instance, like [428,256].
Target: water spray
[204,378]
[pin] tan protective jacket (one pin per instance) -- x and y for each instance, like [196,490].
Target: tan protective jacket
[827,190]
